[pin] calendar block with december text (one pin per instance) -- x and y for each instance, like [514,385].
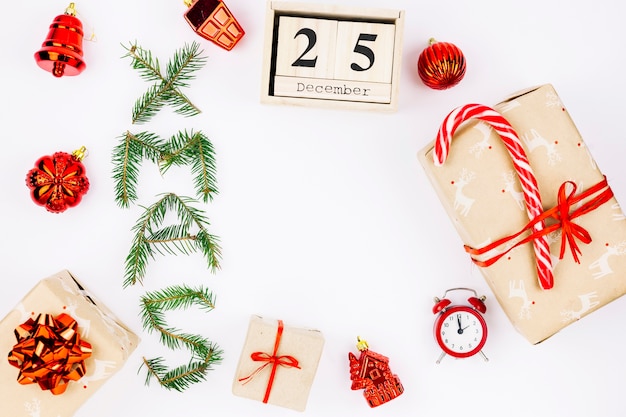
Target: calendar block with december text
[321,55]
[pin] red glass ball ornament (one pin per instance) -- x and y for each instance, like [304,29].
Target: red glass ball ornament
[58,181]
[441,65]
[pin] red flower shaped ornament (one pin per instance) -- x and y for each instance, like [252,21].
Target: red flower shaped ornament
[58,181]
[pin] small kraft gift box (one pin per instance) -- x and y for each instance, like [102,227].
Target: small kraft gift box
[62,345]
[532,208]
[278,363]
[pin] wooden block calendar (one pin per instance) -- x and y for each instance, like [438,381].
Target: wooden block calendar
[331,56]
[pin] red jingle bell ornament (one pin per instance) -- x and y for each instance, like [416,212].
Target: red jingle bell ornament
[58,181]
[62,51]
[441,65]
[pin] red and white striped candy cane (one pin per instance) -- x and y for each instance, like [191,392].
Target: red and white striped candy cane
[522,166]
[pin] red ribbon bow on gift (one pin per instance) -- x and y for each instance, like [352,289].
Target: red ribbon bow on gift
[274,359]
[49,352]
[564,216]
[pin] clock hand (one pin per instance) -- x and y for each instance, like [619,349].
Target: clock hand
[458,320]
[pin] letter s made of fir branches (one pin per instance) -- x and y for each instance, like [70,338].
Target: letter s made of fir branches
[166,88]
[204,353]
[190,235]
[192,149]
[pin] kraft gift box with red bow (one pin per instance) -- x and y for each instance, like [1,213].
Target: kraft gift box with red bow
[532,208]
[62,344]
[278,363]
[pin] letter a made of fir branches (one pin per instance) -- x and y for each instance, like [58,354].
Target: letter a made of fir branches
[204,353]
[191,235]
[166,88]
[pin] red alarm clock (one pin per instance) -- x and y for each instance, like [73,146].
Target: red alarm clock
[460,330]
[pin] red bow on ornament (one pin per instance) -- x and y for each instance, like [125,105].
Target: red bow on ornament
[273,359]
[49,352]
[58,181]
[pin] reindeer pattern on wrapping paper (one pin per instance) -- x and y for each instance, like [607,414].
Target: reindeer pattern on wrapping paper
[101,370]
[510,186]
[462,201]
[537,141]
[33,408]
[479,147]
[587,302]
[601,265]
[518,290]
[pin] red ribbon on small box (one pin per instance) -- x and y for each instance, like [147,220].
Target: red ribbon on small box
[274,359]
[598,194]
[49,352]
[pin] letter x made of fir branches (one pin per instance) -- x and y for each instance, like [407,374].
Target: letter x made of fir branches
[165,88]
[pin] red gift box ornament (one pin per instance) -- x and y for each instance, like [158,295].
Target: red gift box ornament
[62,51]
[58,181]
[274,359]
[212,20]
[371,372]
[49,352]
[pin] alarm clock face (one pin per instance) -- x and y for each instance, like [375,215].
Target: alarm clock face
[461,331]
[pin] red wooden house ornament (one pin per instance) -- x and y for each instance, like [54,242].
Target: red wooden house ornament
[371,372]
[212,20]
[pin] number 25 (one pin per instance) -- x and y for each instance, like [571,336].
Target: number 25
[301,61]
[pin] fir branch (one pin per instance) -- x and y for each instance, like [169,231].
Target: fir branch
[171,239]
[182,377]
[149,69]
[204,352]
[180,70]
[127,158]
[183,64]
[193,149]
[181,297]
[148,104]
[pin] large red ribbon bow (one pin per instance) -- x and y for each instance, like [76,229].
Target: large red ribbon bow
[563,214]
[49,352]
[274,360]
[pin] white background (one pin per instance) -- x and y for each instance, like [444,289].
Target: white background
[326,218]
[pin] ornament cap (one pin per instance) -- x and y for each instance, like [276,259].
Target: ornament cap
[80,153]
[71,10]
[361,344]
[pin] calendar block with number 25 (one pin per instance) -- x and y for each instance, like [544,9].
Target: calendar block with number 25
[332,56]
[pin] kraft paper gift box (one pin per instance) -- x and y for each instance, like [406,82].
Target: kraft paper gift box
[278,363]
[481,192]
[110,340]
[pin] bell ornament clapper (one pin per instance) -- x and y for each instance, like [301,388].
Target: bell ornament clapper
[62,51]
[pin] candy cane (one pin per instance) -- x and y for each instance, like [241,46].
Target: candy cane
[527,179]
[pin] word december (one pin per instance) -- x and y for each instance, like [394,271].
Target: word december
[329,89]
